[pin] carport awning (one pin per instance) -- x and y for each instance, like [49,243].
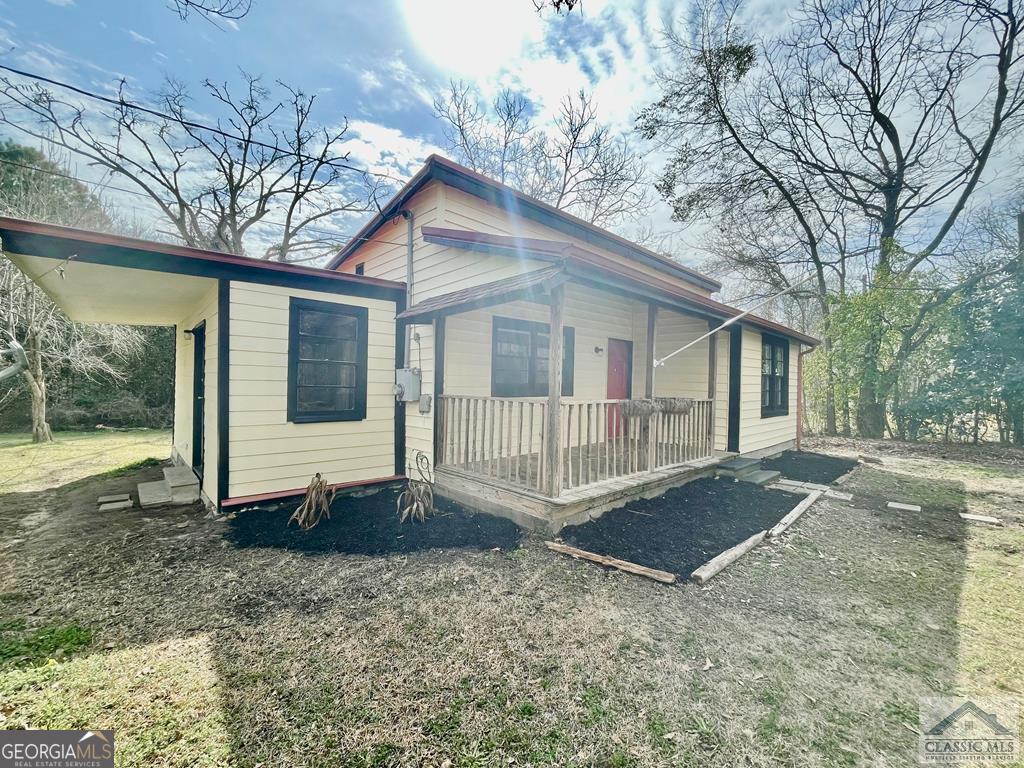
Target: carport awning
[99,278]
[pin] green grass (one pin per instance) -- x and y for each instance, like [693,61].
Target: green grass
[813,650]
[21,645]
[27,466]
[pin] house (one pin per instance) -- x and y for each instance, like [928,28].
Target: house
[525,342]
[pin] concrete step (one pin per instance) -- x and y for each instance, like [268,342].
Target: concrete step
[761,477]
[183,483]
[155,494]
[739,467]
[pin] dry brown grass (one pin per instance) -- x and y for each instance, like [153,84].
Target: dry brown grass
[812,651]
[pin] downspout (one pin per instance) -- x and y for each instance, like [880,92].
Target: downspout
[410,221]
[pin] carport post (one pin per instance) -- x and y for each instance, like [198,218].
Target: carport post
[553,428]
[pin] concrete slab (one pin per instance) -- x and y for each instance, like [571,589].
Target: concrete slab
[177,477]
[112,506]
[981,518]
[739,464]
[904,507]
[155,494]
[113,497]
[762,477]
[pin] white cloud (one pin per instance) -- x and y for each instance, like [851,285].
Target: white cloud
[61,3]
[385,150]
[230,23]
[368,81]
[140,38]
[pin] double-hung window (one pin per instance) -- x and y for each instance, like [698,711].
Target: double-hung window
[774,376]
[519,358]
[326,361]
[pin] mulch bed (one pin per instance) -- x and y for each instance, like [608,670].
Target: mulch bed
[368,525]
[685,527]
[810,467]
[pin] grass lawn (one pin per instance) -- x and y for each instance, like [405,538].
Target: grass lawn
[27,466]
[812,651]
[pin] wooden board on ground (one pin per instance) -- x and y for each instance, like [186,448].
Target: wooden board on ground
[612,562]
[717,563]
[795,513]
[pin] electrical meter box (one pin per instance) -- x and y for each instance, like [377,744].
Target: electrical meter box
[407,385]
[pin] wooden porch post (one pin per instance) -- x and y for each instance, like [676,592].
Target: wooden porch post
[712,381]
[553,431]
[646,433]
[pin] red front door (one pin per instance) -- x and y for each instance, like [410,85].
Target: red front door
[620,379]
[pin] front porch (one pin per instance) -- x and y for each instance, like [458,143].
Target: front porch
[548,406]
[605,453]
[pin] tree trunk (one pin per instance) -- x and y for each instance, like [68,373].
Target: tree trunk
[830,389]
[977,425]
[41,432]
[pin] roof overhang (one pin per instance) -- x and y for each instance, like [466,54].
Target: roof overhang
[584,268]
[99,278]
[457,176]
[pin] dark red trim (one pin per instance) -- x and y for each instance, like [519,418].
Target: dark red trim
[27,227]
[277,495]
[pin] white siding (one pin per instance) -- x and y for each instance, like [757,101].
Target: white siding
[269,454]
[758,435]
[595,316]
[183,386]
[465,211]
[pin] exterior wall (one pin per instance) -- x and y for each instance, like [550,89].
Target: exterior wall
[759,435]
[465,211]
[183,385]
[722,393]
[269,454]
[595,315]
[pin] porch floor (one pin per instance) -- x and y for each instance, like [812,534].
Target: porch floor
[573,506]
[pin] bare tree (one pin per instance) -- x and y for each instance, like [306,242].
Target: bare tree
[38,187]
[870,122]
[579,165]
[224,9]
[266,174]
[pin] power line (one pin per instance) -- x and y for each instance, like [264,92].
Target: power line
[119,102]
[144,196]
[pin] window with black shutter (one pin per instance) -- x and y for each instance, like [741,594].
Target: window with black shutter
[326,361]
[774,376]
[519,358]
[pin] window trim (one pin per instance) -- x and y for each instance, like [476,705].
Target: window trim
[358,413]
[533,327]
[769,341]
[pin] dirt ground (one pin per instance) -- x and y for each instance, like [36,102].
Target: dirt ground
[811,651]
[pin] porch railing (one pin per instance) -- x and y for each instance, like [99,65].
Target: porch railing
[504,439]
[499,438]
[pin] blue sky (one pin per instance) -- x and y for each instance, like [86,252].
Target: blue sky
[377,64]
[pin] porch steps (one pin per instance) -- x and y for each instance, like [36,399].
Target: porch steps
[748,470]
[739,467]
[761,477]
[179,486]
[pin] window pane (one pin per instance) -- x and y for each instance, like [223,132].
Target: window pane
[312,322]
[766,359]
[320,374]
[317,399]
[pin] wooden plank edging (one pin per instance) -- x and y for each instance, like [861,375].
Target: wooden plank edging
[720,561]
[612,562]
[794,514]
